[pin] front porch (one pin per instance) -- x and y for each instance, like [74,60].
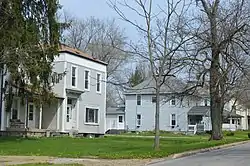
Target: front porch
[199,120]
[29,117]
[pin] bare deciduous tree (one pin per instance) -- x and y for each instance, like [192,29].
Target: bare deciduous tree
[99,38]
[223,38]
[164,34]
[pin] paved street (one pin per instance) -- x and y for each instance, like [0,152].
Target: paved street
[234,156]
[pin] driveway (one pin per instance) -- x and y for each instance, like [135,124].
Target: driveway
[233,156]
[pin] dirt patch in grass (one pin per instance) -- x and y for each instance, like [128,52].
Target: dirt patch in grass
[44,161]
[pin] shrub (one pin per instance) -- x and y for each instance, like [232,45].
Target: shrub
[209,132]
[248,135]
[230,134]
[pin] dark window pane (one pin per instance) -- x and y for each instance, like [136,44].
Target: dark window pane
[73,81]
[154,99]
[96,116]
[138,99]
[31,112]
[73,71]
[86,84]
[98,87]
[120,119]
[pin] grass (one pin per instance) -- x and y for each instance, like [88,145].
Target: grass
[109,147]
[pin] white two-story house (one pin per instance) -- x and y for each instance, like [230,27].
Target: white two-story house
[80,98]
[178,111]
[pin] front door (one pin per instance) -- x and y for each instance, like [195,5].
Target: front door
[69,117]
[70,114]
[31,115]
[120,122]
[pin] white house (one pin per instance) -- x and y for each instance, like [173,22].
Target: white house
[178,111]
[115,118]
[81,98]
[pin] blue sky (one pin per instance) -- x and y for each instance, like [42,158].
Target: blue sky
[87,8]
[97,8]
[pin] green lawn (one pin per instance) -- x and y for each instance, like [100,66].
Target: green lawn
[109,147]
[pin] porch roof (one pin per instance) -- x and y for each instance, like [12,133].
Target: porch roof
[199,110]
[205,111]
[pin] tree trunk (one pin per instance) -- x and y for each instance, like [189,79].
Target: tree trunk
[216,100]
[157,119]
[216,105]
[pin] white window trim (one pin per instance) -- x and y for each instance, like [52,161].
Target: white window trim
[171,102]
[122,119]
[100,83]
[172,119]
[88,89]
[76,74]
[98,112]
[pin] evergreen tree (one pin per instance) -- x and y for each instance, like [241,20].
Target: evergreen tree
[137,77]
[29,41]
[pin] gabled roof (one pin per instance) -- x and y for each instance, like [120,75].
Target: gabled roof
[171,85]
[67,49]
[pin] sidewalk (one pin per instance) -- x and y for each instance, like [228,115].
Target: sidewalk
[15,160]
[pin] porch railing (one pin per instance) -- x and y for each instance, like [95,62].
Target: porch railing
[192,128]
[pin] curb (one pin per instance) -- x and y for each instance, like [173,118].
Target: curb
[194,152]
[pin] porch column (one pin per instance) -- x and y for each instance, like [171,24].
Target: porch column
[40,117]
[230,123]
[58,115]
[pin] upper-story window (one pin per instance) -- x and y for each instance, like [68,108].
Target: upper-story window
[173,101]
[98,83]
[138,98]
[153,99]
[73,76]
[205,102]
[86,80]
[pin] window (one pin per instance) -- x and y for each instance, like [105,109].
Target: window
[73,76]
[173,101]
[14,112]
[120,119]
[98,82]
[138,120]
[69,101]
[86,79]
[153,99]
[68,114]
[138,99]
[91,115]
[31,112]
[173,120]
[205,102]
[233,121]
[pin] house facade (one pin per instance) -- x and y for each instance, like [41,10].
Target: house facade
[115,118]
[178,112]
[80,98]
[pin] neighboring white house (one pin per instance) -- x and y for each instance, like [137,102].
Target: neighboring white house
[178,111]
[81,98]
[115,118]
